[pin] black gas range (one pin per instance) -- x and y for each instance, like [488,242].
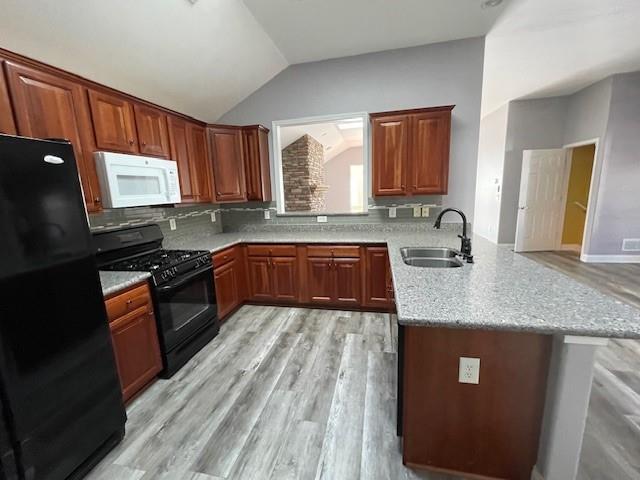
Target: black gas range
[182,288]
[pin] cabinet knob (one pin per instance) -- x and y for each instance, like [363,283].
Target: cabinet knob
[144,144]
[97,200]
[131,142]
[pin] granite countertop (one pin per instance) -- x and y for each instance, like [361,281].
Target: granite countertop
[501,291]
[113,282]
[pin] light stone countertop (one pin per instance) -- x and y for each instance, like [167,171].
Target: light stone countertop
[501,291]
[113,282]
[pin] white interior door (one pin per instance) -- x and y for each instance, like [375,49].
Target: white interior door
[543,191]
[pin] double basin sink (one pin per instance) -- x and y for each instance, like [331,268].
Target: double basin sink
[431,257]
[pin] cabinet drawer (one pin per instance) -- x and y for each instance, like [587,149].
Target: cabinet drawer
[127,302]
[225,256]
[350,251]
[271,250]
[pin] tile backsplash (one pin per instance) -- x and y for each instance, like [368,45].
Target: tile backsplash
[187,217]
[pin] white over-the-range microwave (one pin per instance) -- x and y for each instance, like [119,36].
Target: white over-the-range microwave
[135,181]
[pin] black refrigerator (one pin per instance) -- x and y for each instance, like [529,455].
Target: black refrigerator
[60,395]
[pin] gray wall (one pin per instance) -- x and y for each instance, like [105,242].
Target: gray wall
[618,209]
[430,75]
[532,124]
[493,134]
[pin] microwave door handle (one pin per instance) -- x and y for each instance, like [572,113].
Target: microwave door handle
[183,280]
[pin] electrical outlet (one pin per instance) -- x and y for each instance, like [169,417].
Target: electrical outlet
[425,211]
[631,245]
[267,214]
[392,212]
[321,218]
[469,371]
[213,217]
[172,223]
[416,211]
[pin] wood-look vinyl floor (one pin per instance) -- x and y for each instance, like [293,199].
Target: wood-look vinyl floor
[290,393]
[280,393]
[611,446]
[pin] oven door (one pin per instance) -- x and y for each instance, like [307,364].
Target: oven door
[185,305]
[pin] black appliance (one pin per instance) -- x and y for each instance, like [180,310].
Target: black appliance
[183,292]
[60,396]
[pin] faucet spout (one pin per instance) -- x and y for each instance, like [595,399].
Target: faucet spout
[465,248]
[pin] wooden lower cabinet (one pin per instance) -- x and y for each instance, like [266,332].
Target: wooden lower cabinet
[378,285]
[227,288]
[7,123]
[320,285]
[334,279]
[135,339]
[342,276]
[272,277]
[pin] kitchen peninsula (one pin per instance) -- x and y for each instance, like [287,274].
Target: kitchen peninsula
[550,334]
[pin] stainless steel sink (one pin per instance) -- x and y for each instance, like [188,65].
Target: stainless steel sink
[431,257]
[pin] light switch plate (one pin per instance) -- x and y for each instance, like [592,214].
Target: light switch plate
[392,212]
[172,223]
[425,211]
[322,218]
[416,211]
[213,217]
[469,371]
[267,214]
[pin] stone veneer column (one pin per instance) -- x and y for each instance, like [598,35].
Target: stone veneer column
[303,175]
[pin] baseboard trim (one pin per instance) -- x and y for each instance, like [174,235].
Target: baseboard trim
[610,258]
[571,247]
[535,474]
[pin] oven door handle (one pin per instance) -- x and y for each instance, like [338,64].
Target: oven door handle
[183,280]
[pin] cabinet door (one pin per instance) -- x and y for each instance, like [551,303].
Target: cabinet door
[285,278]
[180,153]
[260,278]
[320,282]
[135,344]
[348,281]
[152,131]
[227,293]
[390,155]
[256,162]
[7,124]
[47,106]
[430,138]
[377,278]
[200,164]
[228,165]
[113,122]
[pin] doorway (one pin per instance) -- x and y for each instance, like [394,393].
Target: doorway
[556,200]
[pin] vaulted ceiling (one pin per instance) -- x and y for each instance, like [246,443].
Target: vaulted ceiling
[202,57]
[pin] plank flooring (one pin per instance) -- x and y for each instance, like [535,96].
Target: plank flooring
[280,393]
[291,393]
[611,446]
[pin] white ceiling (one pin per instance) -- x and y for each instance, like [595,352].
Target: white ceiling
[309,30]
[541,48]
[334,140]
[198,59]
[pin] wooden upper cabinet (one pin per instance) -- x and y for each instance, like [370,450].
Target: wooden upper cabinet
[48,106]
[256,162]
[189,150]
[180,153]
[228,165]
[199,158]
[390,154]
[411,151]
[113,122]
[153,136]
[430,152]
[7,124]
